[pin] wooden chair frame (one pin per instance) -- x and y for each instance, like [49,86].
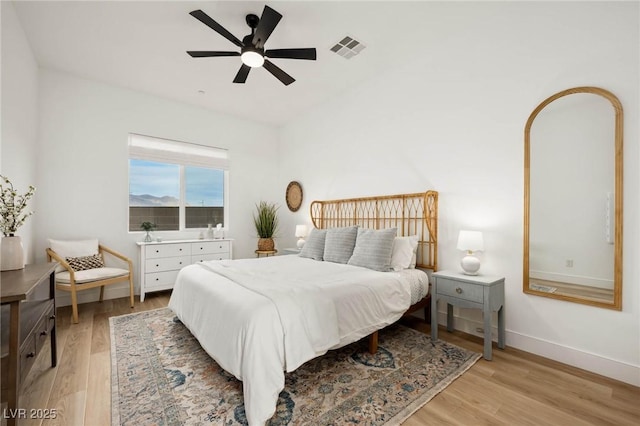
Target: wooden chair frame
[74,287]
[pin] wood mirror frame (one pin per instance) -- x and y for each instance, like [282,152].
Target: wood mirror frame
[616,302]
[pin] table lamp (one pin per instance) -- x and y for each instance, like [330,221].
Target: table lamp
[470,241]
[301,232]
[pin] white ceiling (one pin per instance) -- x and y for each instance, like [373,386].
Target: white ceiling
[142,46]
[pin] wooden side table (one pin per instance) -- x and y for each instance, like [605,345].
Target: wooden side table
[266,253]
[469,291]
[28,318]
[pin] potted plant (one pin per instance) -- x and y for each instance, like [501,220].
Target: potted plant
[12,217]
[148,227]
[266,222]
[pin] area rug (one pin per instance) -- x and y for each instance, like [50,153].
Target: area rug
[160,375]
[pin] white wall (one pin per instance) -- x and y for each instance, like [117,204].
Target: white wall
[18,147]
[453,120]
[83,163]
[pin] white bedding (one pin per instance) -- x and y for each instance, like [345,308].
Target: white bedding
[260,317]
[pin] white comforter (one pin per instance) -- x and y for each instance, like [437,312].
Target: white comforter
[260,317]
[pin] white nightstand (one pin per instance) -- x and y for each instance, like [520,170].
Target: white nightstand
[469,291]
[292,250]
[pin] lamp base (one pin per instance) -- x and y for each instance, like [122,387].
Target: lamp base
[470,265]
[300,243]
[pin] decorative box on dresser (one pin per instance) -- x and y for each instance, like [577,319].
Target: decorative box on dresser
[469,291]
[160,262]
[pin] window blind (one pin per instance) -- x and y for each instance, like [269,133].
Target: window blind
[168,151]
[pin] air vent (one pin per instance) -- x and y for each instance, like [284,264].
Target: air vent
[348,47]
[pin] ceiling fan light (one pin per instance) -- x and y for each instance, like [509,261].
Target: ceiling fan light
[252,59]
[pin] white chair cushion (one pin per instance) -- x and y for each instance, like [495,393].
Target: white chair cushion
[91,275]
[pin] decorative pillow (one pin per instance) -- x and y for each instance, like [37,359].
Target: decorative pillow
[85,262]
[373,249]
[314,245]
[403,255]
[73,248]
[338,247]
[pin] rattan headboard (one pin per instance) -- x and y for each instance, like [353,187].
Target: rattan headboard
[412,214]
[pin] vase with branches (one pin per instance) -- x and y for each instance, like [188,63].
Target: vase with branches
[12,217]
[265,220]
[12,206]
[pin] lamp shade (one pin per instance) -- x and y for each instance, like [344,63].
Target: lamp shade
[301,231]
[470,241]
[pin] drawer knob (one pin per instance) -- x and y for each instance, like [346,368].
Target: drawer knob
[181,263]
[31,354]
[458,290]
[157,279]
[157,251]
[44,333]
[157,265]
[180,249]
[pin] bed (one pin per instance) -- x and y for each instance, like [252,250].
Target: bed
[260,318]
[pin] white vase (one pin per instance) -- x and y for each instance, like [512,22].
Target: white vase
[11,253]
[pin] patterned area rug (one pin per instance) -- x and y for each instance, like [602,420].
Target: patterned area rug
[160,375]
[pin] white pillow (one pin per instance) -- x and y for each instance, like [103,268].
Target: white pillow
[403,254]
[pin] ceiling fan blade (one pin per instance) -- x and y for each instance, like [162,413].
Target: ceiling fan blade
[266,25]
[285,78]
[291,53]
[208,21]
[243,72]
[210,53]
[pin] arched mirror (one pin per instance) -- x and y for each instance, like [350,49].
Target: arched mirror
[573,198]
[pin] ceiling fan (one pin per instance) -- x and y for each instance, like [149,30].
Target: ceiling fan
[252,52]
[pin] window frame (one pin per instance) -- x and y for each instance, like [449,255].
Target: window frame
[217,160]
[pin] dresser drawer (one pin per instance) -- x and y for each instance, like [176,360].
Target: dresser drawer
[43,329]
[166,263]
[211,256]
[168,250]
[27,356]
[160,279]
[460,290]
[208,247]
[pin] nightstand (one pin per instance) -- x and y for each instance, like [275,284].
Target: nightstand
[469,291]
[292,250]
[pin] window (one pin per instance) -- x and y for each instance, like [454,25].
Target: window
[176,185]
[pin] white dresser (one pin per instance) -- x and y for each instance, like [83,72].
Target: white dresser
[161,261]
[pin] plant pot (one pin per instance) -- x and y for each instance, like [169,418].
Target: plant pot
[11,254]
[266,244]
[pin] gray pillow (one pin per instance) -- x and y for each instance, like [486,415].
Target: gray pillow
[373,249]
[338,247]
[314,245]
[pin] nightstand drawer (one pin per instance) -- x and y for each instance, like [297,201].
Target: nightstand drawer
[460,290]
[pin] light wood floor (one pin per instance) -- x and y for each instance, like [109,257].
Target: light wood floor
[516,388]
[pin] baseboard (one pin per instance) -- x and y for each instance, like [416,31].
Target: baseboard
[594,363]
[114,291]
